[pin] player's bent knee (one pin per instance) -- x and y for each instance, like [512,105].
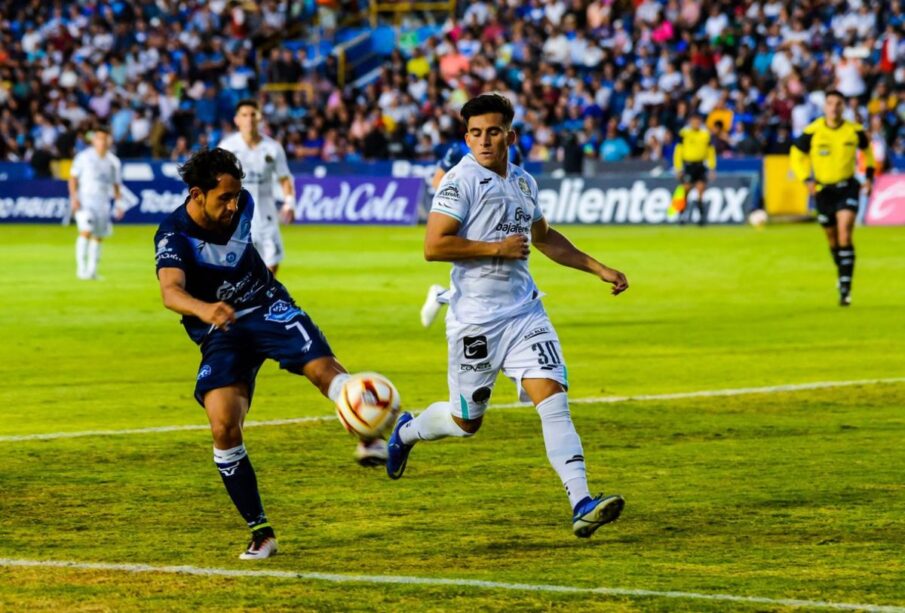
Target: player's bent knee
[469,427]
[226,434]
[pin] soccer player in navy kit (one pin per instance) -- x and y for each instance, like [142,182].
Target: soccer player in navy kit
[239,315]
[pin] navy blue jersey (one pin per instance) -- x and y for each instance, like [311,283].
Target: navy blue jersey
[217,267]
[458,150]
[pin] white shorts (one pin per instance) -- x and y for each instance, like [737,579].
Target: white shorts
[269,244]
[97,223]
[523,347]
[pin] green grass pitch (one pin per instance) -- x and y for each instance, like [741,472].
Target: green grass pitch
[792,495]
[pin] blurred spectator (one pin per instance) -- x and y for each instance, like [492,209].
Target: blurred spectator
[614,147]
[160,72]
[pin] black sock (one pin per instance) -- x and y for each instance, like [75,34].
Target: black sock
[846,264]
[834,253]
[241,485]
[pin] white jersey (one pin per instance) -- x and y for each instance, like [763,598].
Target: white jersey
[96,178]
[489,208]
[263,165]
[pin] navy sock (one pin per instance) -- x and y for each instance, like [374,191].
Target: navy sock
[241,485]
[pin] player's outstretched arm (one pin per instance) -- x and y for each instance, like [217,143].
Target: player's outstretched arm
[442,243]
[559,249]
[176,298]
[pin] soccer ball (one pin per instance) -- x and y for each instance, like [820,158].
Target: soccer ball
[758,218]
[368,405]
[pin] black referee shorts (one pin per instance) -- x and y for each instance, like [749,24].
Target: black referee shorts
[692,172]
[836,197]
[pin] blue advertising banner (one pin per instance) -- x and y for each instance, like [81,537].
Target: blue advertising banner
[37,201]
[327,200]
[357,200]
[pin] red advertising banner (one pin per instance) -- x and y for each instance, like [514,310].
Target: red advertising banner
[887,203]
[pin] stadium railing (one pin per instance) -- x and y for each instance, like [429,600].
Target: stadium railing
[397,9]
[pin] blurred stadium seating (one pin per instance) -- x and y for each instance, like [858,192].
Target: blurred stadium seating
[347,80]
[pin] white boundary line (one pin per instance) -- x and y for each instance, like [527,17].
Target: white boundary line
[440,581]
[772,389]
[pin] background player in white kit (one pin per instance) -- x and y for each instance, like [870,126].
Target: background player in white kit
[263,160]
[484,216]
[95,178]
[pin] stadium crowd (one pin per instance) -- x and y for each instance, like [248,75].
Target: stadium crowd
[607,78]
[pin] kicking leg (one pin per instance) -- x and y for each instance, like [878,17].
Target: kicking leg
[328,375]
[226,408]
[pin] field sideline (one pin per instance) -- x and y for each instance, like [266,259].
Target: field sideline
[793,495]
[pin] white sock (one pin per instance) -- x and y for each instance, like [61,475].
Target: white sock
[94,256]
[336,386]
[435,422]
[81,255]
[563,446]
[227,456]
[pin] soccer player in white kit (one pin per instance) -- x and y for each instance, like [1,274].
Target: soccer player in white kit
[95,178]
[263,160]
[484,217]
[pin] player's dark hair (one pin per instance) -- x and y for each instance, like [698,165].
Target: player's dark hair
[486,104]
[202,169]
[836,92]
[103,129]
[248,102]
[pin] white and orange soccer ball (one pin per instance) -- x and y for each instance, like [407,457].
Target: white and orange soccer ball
[368,405]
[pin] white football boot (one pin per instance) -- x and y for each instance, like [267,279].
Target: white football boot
[371,453]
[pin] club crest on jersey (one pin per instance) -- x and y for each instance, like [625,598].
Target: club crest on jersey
[523,185]
[204,372]
[282,311]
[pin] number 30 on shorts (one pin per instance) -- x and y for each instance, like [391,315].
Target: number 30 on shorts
[547,353]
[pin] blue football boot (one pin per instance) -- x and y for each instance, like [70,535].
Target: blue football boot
[591,513]
[397,451]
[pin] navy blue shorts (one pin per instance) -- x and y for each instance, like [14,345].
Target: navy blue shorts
[278,330]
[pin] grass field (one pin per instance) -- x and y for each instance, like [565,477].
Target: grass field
[785,495]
